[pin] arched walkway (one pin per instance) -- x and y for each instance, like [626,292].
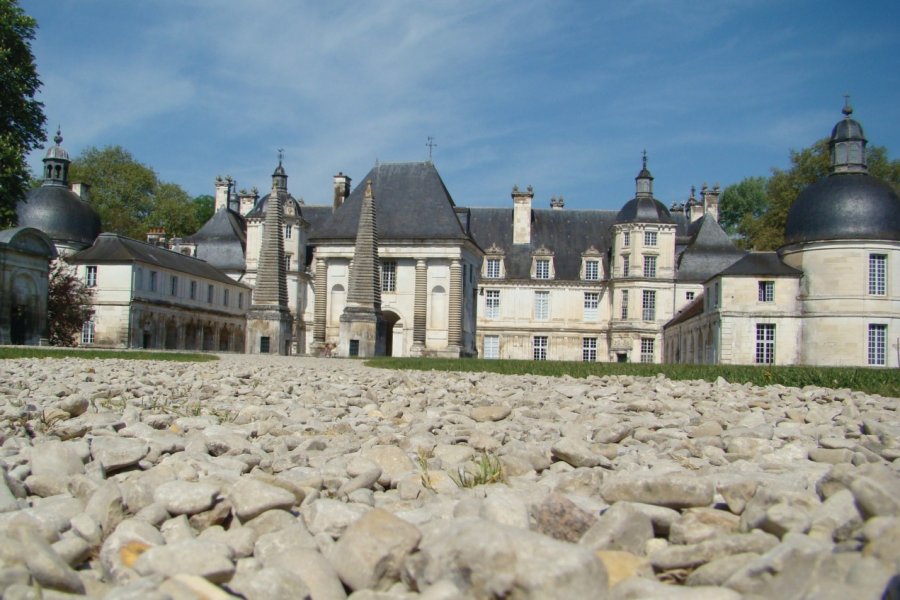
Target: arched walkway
[393,346]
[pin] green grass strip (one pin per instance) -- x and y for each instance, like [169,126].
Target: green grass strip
[45,352]
[885,382]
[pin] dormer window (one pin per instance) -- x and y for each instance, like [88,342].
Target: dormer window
[492,267]
[590,264]
[542,264]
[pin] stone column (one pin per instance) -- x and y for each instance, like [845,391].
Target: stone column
[321,306]
[454,327]
[420,308]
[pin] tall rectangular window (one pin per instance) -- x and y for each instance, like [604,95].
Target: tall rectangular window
[193,290]
[649,266]
[138,278]
[154,277]
[589,349]
[90,279]
[173,286]
[591,302]
[287,263]
[542,268]
[591,270]
[649,305]
[765,344]
[87,332]
[541,306]
[877,346]
[626,239]
[240,299]
[389,276]
[767,291]
[492,304]
[539,347]
[650,238]
[210,292]
[648,350]
[624,304]
[878,274]
[626,265]
[288,231]
[225,297]
[493,268]
[492,346]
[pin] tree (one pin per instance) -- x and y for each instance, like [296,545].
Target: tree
[68,305]
[807,166]
[21,116]
[129,196]
[741,203]
[205,205]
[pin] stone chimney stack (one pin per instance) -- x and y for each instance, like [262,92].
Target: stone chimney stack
[341,190]
[223,192]
[247,200]
[156,236]
[697,209]
[83,190]
[522,214]
[557,203]
[711,201]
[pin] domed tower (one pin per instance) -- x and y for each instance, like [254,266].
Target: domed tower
[643,271]
[843,232]
[63,215]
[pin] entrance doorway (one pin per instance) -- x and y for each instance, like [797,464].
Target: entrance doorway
[393,334]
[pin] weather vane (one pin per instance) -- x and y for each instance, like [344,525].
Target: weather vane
[280,155]
[431,146]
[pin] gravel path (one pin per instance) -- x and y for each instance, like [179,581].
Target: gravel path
[284,477]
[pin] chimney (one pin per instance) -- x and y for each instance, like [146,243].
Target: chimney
[522,214]
[156,236]
[341,189]
[697,209]
[83,190]
[557,203]
[711,201]
[223,192]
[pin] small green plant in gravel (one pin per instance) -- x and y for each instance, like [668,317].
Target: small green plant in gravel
[488,469]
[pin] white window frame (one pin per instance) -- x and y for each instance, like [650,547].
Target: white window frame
[591,270]
[388,276]
[876,346]
[287,263]
[650,239]
[626,239]
[765,344]
[88,331]
[624,304]
[877,274]
[591,305]
[589,349]
[173,285]
[766,291]
[626,265]
[90,276]
[541,305]
[649,266]
[542,268]
[492,346]
[492,304]
[288,231]
[210,293]
[492,268]
[648,350]
[540,345]
[648,305]
[225,298]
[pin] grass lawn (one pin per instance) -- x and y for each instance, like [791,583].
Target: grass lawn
[45,352]
[873,381]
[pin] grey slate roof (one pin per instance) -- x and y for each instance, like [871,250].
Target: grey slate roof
[259,209]
[567,233]
[644,210]
[60,213]
[691,310]
[708,252]
[411,202]
[222,241]
[316,216]
[755,264]
[110,248]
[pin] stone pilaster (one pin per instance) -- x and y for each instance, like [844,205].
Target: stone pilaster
[321,299]
[420,307]
[454,327]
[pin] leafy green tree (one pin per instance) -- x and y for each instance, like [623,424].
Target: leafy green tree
[807,166]
[21,115]
[130,197]
[742,201]
[68,305]
[205,205]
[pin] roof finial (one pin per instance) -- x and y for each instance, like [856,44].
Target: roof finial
[431,146]
[280,156]
[847,110]
[58,139]
[644,154]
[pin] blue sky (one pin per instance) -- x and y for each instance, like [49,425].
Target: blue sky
[562,95]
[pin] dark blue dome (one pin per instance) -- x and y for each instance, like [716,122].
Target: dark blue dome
[61,214]
[644,210]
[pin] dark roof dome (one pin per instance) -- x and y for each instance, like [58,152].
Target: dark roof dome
[259,209]
[644,208]
[848,203]
[61,214]
[54,208]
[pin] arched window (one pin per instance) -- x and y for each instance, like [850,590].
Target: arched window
[338,301]
[438,312]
